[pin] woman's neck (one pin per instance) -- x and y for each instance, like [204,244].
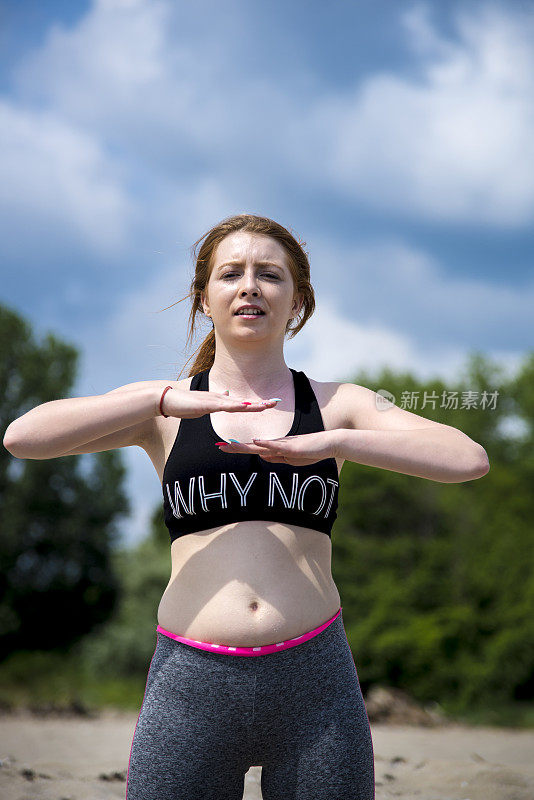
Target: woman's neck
[253,377]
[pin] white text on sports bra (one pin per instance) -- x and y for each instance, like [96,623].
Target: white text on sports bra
[296,499]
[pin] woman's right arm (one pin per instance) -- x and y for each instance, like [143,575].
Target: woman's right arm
[116,419]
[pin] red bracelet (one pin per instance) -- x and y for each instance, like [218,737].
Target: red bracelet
[161,400]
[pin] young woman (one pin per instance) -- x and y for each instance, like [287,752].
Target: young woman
[252,665]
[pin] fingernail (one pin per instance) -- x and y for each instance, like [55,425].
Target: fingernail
[278,399]
[218,443]
[244,403]
[234,440]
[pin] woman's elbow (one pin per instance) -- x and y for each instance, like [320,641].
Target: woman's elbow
[10,441]
[19,447]
[481,465]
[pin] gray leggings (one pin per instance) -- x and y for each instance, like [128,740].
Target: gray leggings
[207,717]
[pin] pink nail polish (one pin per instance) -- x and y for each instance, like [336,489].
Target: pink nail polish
[244,403]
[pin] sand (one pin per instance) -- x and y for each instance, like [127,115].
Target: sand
[79,758]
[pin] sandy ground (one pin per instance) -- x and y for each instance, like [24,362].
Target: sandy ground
[77,758]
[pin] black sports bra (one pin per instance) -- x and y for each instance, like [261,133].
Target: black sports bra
[204,487]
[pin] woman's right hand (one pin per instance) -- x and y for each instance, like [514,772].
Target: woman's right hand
[188,404]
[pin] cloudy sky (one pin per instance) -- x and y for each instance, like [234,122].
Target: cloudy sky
[396,138]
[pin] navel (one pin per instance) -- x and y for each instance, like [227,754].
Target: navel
[253,606]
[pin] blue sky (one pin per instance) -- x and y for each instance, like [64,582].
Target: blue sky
[396,138]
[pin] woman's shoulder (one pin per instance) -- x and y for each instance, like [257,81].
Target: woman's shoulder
[341,400]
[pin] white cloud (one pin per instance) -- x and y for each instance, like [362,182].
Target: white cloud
[405,289]
[333,347]
[453,142]
[128,71]
[57,177]
[116,49]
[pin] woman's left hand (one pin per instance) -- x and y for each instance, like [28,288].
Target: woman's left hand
[307,448]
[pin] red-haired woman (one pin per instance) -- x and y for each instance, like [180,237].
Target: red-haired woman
[252,665]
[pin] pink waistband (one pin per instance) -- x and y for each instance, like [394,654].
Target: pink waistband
[250,651]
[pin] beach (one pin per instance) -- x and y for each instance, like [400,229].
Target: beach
[58,757]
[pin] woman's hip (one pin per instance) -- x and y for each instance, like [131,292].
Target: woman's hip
[318,671]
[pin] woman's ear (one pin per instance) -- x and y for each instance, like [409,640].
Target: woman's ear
[297,305]
[205,305]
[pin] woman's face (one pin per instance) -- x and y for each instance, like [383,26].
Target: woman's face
[250,268]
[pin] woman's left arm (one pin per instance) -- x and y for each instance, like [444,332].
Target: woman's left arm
[379,434]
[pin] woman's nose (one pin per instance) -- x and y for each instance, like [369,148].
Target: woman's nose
[249,285]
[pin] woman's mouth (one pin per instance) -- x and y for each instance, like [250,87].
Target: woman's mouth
[250,314]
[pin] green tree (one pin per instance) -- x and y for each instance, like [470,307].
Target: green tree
[57,520]
[437,580]
[124,644]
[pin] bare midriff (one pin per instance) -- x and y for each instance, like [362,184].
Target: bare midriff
[249,583]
